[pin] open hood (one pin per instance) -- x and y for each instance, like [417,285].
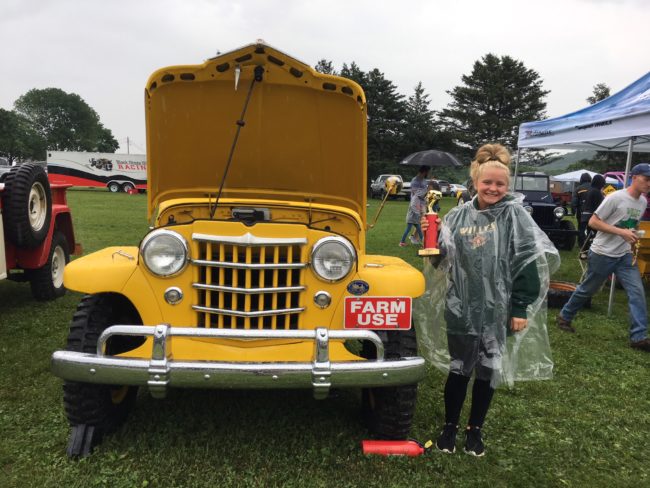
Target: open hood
[304,137]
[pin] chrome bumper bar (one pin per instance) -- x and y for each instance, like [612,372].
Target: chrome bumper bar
[162,371]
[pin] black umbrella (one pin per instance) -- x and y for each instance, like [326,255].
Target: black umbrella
[431,158]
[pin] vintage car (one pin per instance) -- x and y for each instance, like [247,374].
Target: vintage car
[378,188]
[36,232]
[546,212]
[254,274]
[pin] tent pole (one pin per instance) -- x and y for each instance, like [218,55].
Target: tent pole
[628,163]
[517,166]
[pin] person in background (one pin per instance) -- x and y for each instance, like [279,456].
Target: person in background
[616,220]
[578,203]
[491,249]
[417,206]
[593,199]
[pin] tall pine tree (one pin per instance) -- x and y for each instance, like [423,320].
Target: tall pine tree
[386,117]
[493,100]
[419,130]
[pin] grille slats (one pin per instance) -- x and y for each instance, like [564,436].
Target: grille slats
[249,283]
[544,215]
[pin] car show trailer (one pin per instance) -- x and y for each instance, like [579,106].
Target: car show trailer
[117,172]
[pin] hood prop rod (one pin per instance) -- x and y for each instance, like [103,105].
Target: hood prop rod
[259,71]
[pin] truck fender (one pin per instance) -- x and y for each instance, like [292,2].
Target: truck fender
[386,276]
[114,270]
[390,276]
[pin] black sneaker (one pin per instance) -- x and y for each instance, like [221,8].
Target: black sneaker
[473,442]
[642,345]
[564,324]
[446,441]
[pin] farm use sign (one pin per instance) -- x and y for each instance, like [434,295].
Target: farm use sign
[377,313]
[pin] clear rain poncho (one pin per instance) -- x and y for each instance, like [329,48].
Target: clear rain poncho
[417,206]
[466,305]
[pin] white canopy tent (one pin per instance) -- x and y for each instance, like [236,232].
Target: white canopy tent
[618,123]
[574,176]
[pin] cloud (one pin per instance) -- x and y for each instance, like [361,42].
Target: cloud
[105,51]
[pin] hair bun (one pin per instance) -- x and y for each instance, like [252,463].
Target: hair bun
[492,152]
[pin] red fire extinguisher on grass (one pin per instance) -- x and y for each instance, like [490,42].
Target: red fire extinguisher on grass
[411,448]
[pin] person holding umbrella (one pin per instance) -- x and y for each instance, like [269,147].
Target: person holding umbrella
[417,206]
[425,160]
[493,277]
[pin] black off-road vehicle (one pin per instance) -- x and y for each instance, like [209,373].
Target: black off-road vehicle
[550,216]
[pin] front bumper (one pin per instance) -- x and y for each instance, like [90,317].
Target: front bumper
[557,232]
[161,372]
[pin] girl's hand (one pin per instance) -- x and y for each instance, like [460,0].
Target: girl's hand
[424,223]
[517,324]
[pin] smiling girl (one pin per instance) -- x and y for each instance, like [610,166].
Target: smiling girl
[495,273]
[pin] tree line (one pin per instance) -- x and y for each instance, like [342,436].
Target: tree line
[51,119]
[487,105]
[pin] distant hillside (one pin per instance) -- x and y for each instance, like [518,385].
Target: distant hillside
[566,160]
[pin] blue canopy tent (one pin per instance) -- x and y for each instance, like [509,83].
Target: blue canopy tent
[618,123]
[608,125]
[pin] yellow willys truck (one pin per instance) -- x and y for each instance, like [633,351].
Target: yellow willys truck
[255,272]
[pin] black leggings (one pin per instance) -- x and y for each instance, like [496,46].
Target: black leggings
[455,392]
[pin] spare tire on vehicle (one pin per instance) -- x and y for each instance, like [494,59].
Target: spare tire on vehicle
[559,293]
[27,205]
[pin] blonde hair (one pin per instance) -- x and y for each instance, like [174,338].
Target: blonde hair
[490,156]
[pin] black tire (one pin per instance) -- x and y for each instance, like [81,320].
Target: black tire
[105,407]
[27,205]
[388,412]
[47,282]
[568,241]
[559,293]
[114,187]
[127,187]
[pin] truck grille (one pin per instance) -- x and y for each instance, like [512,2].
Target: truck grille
[544,216]
[248,282]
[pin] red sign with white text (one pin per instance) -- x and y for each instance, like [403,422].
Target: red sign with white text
[378,313]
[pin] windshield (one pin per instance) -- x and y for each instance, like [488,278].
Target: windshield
[531,183]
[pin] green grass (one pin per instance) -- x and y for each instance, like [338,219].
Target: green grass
[587,427]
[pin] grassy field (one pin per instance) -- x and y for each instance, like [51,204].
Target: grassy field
[587,427]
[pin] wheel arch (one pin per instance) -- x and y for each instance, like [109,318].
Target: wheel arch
[120,274]
[63,223]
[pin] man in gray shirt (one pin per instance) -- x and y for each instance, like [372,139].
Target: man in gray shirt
[616,220]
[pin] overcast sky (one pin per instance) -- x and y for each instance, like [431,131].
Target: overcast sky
[104,50]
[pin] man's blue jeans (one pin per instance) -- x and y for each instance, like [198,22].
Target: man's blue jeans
[600,267]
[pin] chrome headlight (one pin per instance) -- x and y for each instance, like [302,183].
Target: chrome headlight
[559,212]
[164,252]
[529,209]
[332,258]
